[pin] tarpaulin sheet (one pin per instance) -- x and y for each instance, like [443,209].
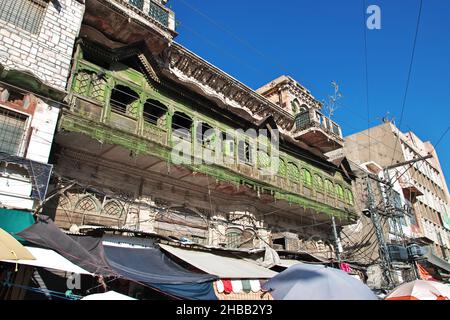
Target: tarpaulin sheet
[152,267]
[146,266]
[87,253]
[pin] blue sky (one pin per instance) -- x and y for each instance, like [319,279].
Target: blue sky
[318,41]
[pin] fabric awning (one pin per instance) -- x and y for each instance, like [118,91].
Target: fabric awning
[152,267]
[10,248]
[225,266]
[14,221]
[47,258]
[86,252]
[286,263]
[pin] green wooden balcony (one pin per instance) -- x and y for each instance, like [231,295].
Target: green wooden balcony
[118,106]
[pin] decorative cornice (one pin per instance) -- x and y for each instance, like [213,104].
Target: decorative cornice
[180,64]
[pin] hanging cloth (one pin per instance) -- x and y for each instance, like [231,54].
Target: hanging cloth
[227,286]
[246,287]
[255,285]
[220,286]
[237,286]
[345,267]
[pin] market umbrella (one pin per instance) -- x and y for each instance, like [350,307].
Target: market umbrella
[420,290]
[317,282]
[11,249]
[110,295]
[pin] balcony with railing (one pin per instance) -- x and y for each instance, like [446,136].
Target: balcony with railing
[129,112]
[317,130]
[155,10]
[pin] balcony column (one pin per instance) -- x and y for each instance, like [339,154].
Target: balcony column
[169,126]
[107,105]
[146,8]
[172,25]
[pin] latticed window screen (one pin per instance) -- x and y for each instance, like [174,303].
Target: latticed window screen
[263,159]
[159,14]
[137,3]
[282,167]
[87,204]
[329,187]
[234,238]
[87,84]
[25,14]
[292,172]
[318,182]
[12,131]
[113,208]
[340,192]
[307,177]
[350,198]
[302,120]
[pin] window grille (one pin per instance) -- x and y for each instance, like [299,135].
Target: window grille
[302,120]
[25,14]
[307,178]
[234,238]
[293,172]
[137,3]
[159,14]
[12,129]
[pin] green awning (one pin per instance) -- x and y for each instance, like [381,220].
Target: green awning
[14,221]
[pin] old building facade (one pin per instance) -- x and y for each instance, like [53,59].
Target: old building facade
[134,95]
[419,185]
[37,39]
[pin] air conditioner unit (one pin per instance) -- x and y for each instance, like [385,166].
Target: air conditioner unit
[415,251]
[398,253]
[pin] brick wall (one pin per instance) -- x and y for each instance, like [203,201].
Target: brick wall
[48,53]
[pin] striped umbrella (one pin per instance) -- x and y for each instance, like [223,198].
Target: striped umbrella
[420,290]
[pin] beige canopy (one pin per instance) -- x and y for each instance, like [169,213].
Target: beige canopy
[11,249]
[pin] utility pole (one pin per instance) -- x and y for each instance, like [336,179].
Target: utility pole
[336,241]
[390,199]
[384,253]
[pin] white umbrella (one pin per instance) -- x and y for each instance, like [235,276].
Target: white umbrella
[420,290]
[110,295]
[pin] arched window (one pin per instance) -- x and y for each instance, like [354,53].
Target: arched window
[349,196]
[182,125]
[295,106]
[329,187]
[113,208]
[318,182]
[124,101]
[154,111]
[234,237]
[87,204]
[340,192]
[247,238]
[293,172]
[307,177]
[303,108]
